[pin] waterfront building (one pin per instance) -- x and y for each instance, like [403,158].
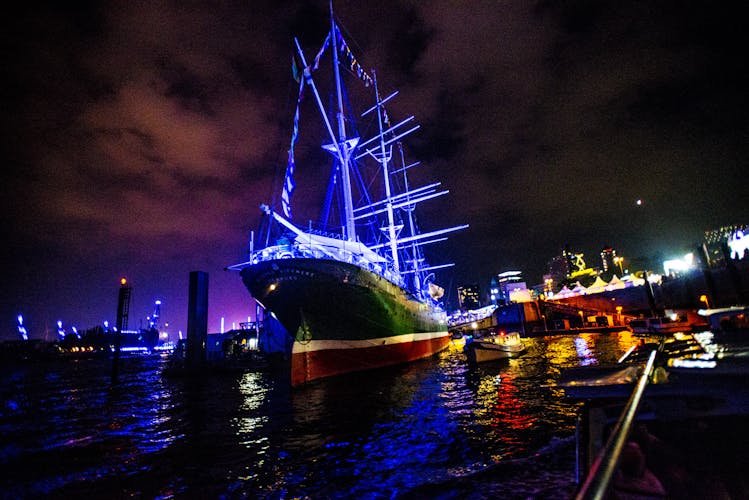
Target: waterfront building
[722,241]
[556,272]
[573,261]
[610,263]
[469,297]
[675,267]
[511,287]
[493,291]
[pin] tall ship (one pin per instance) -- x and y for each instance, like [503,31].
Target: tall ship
[353,291]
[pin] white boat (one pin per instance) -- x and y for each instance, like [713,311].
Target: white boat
[500,346]
[727,319]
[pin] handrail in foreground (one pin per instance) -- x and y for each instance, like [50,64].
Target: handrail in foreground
[597,483]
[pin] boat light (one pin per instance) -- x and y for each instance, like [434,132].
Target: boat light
[692,363]
[133,349]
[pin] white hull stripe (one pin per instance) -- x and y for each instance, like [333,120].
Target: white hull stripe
[320,345]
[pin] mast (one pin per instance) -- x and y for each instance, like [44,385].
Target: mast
[343,144]
[386,175]
[415,251]
[379,147]
[340,148]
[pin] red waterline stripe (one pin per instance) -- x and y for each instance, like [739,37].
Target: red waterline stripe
[308,366]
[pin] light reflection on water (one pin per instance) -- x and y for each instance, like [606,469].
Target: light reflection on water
[250,420]
[66,431]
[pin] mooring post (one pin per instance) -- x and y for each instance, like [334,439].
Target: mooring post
[123,308]
[651,296]
[197,321]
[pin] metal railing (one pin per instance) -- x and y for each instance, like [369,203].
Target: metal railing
[597,483]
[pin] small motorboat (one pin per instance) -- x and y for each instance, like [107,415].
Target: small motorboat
[496,346]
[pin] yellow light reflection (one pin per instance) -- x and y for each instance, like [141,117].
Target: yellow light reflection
[254,392]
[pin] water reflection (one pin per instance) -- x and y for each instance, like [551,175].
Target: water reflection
[584,354]
[67,431]
[254,389]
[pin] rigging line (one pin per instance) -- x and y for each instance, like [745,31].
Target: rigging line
[365,185]
[364,190]
[349,36]
[329,194]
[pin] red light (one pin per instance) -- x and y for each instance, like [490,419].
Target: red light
[123,281]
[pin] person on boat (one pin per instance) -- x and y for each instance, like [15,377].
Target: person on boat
[634,479]
[680,476]
[663,460]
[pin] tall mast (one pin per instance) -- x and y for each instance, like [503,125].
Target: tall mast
[343,144]
[386,175]
[412,228]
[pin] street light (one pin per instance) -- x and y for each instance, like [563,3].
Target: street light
[703,298]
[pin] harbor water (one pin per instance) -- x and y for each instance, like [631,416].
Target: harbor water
[436,428]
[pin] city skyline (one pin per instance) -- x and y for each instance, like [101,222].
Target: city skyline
[142,136]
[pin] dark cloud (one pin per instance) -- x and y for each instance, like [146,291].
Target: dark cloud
[140,137]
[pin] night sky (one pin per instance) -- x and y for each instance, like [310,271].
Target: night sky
[141,136]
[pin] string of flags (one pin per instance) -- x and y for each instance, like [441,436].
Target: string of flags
[354,65]
[289,184]
[345,51]
[320,52]
[296,74]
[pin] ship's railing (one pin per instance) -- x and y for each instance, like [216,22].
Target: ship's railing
[316,251]
[597,483]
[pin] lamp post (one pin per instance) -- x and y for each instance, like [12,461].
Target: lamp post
[703,298]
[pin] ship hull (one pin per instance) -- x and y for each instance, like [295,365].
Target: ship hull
[343,318]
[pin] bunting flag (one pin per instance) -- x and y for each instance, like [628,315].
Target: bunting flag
[288,183]
[320,52]
[295,70]
[353,64]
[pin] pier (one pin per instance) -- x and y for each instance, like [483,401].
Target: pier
[609,310]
